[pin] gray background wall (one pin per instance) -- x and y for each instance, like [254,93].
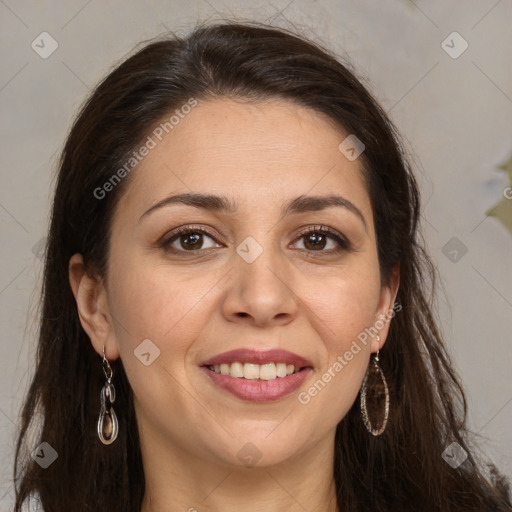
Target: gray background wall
[455,114]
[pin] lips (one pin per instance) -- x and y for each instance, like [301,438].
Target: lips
[254,389]
[258,357]
[258,390]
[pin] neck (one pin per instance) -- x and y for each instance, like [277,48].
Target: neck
[179,481]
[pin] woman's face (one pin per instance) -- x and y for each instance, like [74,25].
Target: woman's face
[247,278]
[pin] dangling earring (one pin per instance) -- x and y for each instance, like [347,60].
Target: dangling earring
[107,422]
[374,391]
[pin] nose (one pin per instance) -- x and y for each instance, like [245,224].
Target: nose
[261,292]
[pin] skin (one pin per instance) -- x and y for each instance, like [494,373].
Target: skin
[194,306]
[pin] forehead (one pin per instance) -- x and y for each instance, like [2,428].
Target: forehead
[254,153]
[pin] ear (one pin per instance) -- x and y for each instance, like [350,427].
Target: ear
[93,311]
[385,311]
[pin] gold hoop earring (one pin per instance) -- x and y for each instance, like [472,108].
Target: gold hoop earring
[108,426]
[374,398]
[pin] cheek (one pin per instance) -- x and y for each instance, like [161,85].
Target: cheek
[160,305]
[170,309]
[345,312]
[345,304]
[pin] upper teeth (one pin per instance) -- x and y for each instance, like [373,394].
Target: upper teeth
[267,371]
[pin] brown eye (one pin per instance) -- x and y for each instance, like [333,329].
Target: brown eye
[189,240]
[324,241]
[314,241]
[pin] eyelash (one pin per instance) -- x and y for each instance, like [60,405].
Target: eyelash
[343,243]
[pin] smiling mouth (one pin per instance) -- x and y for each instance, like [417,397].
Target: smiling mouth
[252,382]
[252,371]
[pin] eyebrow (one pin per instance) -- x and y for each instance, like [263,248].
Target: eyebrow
[300,204]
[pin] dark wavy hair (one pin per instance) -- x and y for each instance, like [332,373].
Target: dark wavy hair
[401,470]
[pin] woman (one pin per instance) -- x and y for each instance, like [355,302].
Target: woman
[235,308]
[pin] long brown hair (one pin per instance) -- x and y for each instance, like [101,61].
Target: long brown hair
[400,470]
